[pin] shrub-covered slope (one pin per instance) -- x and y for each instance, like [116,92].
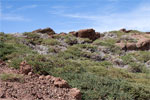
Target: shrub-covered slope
[100,68]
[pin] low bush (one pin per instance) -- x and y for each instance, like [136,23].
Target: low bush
[71,40]
[88,47]
[142,56]
[137,68]
[50,42]
[5,49]
[33,38]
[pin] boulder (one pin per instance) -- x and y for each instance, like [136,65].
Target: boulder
[25,68]
[143,44]
[86,33]
[49,31]
[60,83]
[131,46]
[75,93]
[127,46]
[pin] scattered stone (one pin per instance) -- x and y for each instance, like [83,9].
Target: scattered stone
[2,94]
[30,73]
[48,77]
[36,88]
[41,77]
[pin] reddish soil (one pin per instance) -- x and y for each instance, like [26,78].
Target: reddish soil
[35,87]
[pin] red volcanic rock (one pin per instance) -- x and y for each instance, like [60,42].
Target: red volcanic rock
[131,46]
[75,93]
[25,68]
[86,33]
[127,46]
[60,83]
[49,31]
[143,44]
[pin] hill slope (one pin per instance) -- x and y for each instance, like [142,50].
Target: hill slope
[104,66]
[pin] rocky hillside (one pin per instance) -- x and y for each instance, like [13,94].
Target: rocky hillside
[79,65]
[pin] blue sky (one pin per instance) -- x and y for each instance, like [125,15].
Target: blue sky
[69,15]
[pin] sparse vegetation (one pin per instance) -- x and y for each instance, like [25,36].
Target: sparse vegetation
[33,38]
[11,77]
[50,42]
[80,64]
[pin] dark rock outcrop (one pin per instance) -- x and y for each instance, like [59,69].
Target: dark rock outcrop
[86,33]
[143,44]
[125,31]
[49,31]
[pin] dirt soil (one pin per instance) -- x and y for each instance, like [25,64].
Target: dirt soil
[34,87]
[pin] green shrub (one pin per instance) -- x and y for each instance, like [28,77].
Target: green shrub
[127,59]
[89,47]
[110,44]
[15,62]
[54,50]
[137,68]
[71,40]
[71,53]
[118,33]
[5,50]
[50,42]
[142,56]
[85,40]
[39,63]
[33,38]
[94,87]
